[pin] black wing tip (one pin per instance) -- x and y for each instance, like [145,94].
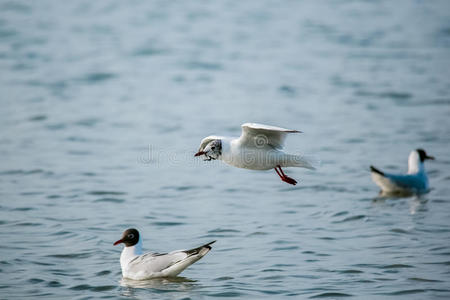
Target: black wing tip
[197,250]
[375,170]
[209,244]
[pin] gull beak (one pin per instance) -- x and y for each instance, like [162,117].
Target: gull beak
[429,157]
[118,242]
[199,153]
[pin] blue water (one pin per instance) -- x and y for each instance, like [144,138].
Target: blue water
[104,103]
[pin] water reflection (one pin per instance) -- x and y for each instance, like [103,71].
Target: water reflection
[395,194]
[417,202]
[178,284]
[382,197]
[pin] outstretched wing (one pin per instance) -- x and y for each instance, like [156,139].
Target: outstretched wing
[258,135]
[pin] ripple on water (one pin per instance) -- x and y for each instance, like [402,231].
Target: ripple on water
[110,200]
[38,118]
[41,263]
[396,266]
[100,288]
[97,77]
[287,90]
[224,278]
[285,248]
[341,213]
[62,232]
[105,193]
[32,193]
[70,256]
[22,209]
[65,220]
[24,172]
[350,219]
[203,65]
[87,122]
[326,238]
[350,271]
[28,224]
[226,294]
[163,224]
[330,295]
[150,51]
[56,126]
[399,230]
[423,279]
[54,283]
[222,230]
[404,292]
[103,273]
[272,270]
[444,263]
[35,280]
[256,233]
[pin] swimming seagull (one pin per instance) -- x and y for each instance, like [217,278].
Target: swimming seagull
[415,181]
[138,266]
[258,148]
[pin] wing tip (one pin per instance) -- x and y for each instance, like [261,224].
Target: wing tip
[198,249]
[375,170]
[271,127]
[209,244]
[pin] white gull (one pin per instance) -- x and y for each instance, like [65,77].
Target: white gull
[138,266]
[258,148]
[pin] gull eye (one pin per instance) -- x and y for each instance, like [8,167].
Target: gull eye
[131,236]
[213,148]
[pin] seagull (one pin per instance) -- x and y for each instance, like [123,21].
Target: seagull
[138,266]
[415,181]
[258,148]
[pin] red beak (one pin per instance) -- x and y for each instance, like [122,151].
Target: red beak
[199,153]
[118,242]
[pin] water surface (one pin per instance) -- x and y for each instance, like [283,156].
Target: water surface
[105,103]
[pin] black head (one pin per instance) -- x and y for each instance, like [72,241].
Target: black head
[423,155]
[130,237]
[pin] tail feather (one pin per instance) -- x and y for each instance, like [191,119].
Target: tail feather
[375,170]
[197,250]
[302,161]
[193,255]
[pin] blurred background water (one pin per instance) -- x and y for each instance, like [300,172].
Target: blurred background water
[104,103]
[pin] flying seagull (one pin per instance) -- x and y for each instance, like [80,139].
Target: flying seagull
[258,148]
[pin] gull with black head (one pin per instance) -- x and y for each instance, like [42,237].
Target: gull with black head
[415,181]
[138,266]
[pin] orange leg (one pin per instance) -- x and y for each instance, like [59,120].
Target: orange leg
[283,176]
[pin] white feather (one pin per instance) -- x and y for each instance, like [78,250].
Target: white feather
[254,134]
[138,266]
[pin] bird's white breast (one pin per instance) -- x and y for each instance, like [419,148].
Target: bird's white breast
[253,158]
